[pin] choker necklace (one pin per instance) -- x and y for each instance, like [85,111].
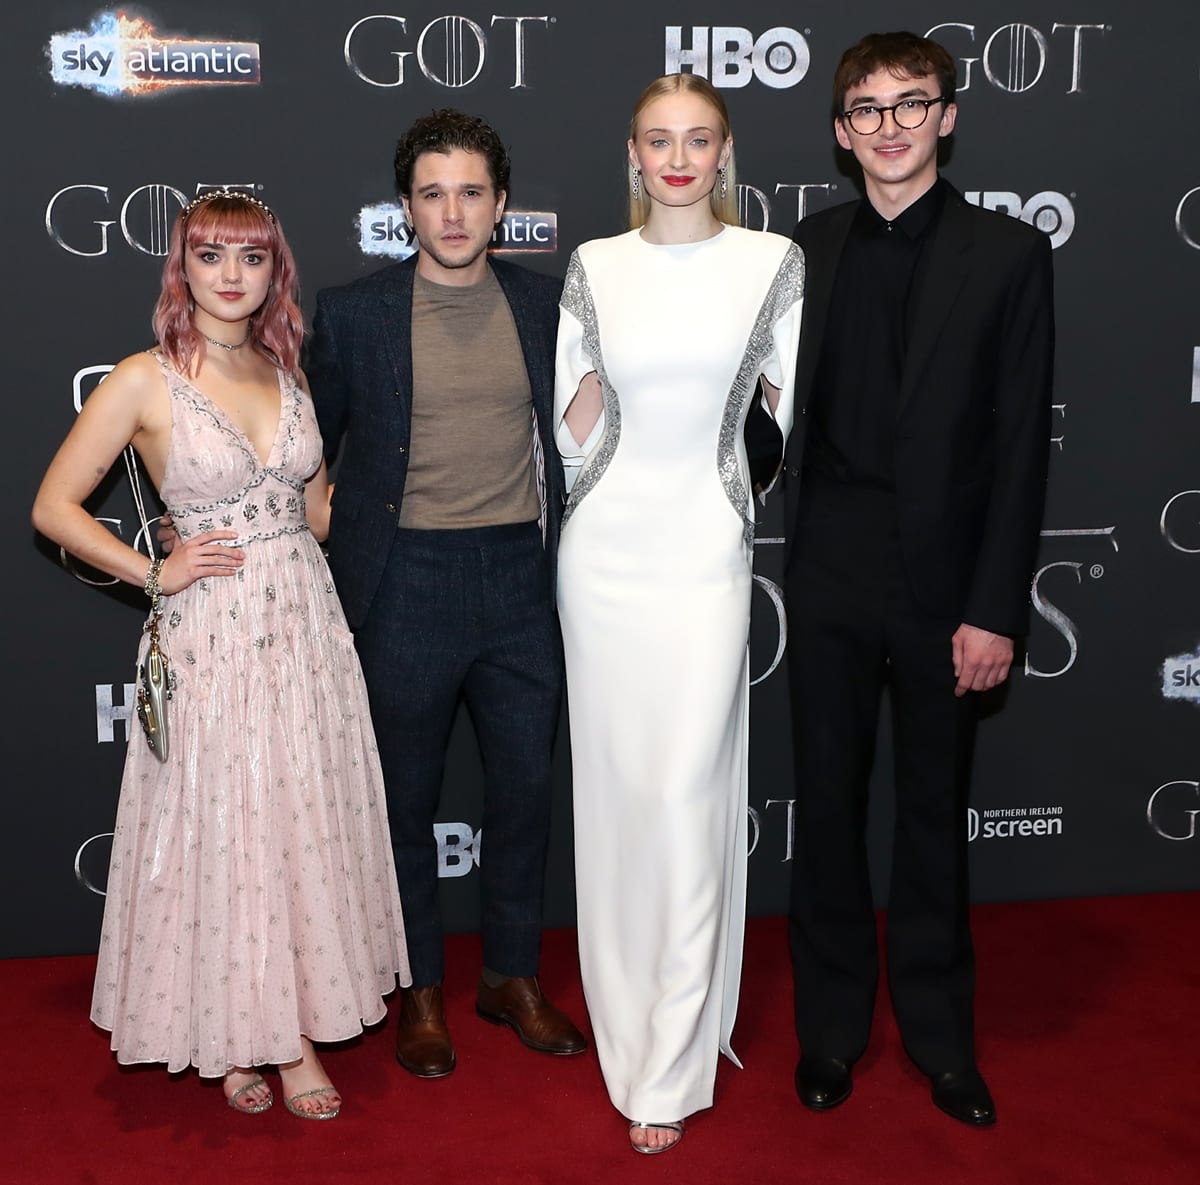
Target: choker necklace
[212,341]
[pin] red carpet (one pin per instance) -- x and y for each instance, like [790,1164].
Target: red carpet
[1089,1023]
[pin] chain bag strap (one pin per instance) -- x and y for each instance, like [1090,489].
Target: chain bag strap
[155,679]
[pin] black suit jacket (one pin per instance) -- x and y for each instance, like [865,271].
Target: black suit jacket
[973,423]
[359,367]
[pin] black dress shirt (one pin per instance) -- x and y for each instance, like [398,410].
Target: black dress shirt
[851,436]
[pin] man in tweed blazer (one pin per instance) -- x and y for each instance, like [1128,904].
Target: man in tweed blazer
[435,378]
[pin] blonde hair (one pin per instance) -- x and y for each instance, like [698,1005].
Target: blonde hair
[724,208]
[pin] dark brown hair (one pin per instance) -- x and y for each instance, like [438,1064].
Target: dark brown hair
[444,130]
[903,55]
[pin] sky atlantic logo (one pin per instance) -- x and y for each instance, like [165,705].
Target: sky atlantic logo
[123,55]
[1016,822]
[729,56]
[1017,57]
[382,230]
[1048,211]
[1181,677]
[450,51]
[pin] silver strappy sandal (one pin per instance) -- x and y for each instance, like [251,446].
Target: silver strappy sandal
[676,1127]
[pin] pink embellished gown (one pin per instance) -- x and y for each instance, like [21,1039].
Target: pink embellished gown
[251,895]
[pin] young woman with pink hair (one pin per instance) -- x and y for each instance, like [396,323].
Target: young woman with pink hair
[252,905]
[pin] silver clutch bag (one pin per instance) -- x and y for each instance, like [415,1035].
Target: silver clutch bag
[154,694]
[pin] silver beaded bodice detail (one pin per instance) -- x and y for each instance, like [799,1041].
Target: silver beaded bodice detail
[786,288]
[215,480]
[577,300]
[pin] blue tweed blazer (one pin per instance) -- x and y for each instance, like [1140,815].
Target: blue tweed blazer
[359,366]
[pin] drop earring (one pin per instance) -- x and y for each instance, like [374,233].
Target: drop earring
[722,184]
[636,184]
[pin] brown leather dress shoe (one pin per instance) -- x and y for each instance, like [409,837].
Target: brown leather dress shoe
[519,1003]
[423,1044]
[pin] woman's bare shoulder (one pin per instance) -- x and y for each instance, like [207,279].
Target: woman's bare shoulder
[136,376]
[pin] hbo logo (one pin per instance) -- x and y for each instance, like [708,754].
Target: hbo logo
[728,56]
[1048,211]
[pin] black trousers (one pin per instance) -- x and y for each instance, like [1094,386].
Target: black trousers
[467,615]
[852,628]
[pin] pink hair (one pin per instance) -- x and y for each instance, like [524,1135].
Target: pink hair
[276,327]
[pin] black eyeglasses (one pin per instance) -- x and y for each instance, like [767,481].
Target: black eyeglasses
[908,114]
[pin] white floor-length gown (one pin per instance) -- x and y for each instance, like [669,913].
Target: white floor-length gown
[654,596]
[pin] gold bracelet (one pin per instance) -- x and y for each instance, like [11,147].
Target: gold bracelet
[153,588]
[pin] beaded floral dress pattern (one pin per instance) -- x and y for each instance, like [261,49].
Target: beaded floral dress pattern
[251,894]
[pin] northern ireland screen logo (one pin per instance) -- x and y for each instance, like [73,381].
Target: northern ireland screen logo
[1014,822]
[123,55]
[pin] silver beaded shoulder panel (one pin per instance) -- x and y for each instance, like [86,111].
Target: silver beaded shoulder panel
[577,300]
[786,288]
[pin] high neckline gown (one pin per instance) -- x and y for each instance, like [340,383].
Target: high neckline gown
[655,576]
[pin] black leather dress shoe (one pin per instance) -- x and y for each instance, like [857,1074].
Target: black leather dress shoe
[823,1082]
[964,1096]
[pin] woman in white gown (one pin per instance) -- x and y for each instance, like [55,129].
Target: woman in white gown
[665,333]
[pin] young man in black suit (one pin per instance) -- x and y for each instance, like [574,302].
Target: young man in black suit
[437,373]
[914,496]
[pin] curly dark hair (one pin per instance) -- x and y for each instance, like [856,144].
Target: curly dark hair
[444,130]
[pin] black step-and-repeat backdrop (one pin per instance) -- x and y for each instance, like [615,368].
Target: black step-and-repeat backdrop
[1078,117]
